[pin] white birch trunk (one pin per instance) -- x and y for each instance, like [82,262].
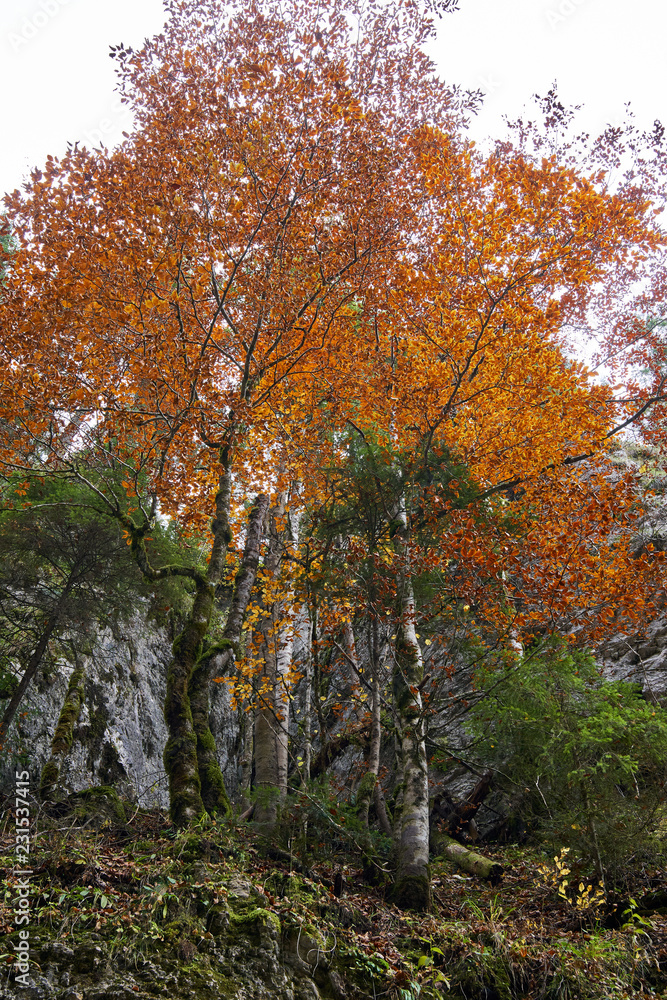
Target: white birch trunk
[308,633]
[281,705]
[412,885]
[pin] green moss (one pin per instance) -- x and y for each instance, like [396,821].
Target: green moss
[177,929]
[257,915]
[184,644]
[219,647]
[412,891]
[48,779]
[180,753]
[214,793]
[193,847]
[101,801]
[366,786]
[217,919]
[64,734]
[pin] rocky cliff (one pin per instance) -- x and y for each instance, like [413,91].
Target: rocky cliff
[121,733]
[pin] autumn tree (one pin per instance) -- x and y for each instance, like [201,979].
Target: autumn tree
[470,357]
[297,238]
[173,304]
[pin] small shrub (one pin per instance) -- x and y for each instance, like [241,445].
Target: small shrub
[587,755]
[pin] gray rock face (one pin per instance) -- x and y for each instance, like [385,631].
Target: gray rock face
[639,658]
[121,733]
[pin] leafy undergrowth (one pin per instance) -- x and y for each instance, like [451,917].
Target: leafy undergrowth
[140,889]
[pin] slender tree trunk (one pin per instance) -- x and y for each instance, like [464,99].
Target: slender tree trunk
[316,700]
[219,660]
[376,727]
[309,635]
[180,754]
[281,708]
[366,787]
[248,736]
[275,641]
[398,799]
[271,725]
[63,736]
[412,883]
[50,627]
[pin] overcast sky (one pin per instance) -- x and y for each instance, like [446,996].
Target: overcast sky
[58,79]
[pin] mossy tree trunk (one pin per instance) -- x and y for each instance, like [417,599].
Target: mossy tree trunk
[61,744]
[275,640]
[219,660]
[412,884]
[180,755]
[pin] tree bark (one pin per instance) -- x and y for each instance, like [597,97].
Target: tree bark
[219,660]
[412,883]
[365,792]
[308,636]
[63,736]
[275,642]
[180,754]
[376,729]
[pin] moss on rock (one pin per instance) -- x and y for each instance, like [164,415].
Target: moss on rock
[100,804]
[193,847]
[257,916]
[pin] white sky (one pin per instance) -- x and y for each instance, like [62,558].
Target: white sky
[58,79]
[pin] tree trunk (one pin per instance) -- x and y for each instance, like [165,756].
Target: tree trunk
[275,642]
[469,861]
[63,736]
[180,754]
[248,744]
[412,882]
[376,729]
[366,790]
[35,660]
[220,660]
[308,636]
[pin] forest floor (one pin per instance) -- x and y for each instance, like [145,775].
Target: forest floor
[139,888]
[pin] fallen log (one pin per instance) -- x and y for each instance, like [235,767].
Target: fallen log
[468,860]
